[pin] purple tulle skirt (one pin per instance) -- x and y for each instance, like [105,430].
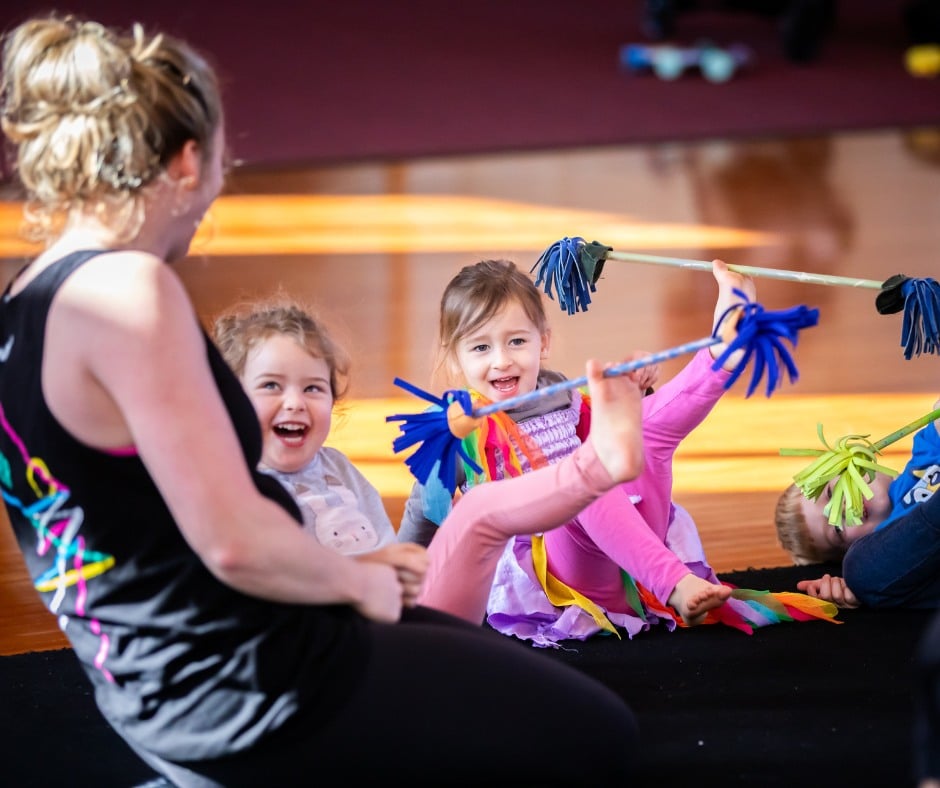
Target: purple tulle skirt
[518,605]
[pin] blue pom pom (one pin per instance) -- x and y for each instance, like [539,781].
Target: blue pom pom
[760,334]
[560,268]
[439,447]
[920,330]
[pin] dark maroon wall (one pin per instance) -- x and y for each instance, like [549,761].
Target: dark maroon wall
[352,79]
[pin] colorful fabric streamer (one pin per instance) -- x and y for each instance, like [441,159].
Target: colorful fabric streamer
[748,609]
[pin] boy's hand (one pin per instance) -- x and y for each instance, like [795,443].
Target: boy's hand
[832,589]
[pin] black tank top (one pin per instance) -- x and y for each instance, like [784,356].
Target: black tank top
[183,665]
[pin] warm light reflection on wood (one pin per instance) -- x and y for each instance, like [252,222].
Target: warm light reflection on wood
[338,224]
[736,449]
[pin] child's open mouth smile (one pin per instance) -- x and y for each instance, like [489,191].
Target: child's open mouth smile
[290,432]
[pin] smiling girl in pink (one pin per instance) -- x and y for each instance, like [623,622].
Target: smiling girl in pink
[569,583]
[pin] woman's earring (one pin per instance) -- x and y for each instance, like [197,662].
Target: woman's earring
[183,200]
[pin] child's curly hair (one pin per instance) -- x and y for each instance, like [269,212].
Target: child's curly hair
[242,327]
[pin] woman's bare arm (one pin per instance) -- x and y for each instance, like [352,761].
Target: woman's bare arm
[126,364]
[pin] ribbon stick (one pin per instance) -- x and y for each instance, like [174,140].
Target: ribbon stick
[746,327]
[571,268]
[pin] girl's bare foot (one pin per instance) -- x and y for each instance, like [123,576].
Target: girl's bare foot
[693,597]
[616,422]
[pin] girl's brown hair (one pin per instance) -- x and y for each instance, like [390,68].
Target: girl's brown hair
[475,295]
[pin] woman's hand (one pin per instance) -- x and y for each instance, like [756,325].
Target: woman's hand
[379,597]
[410,562]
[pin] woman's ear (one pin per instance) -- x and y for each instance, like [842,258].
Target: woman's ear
[186,166]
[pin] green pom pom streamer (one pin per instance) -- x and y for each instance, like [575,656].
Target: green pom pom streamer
[852,463]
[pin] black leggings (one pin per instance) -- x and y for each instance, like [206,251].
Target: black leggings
[444,702]
[927,703]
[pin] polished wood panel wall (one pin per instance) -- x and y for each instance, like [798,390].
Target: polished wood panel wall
[371,246]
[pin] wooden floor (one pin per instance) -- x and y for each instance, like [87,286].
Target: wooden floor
[371,247]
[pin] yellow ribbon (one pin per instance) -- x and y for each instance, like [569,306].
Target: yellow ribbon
[559,593]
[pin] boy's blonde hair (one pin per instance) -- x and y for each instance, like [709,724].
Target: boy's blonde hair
[793,533]
[240,329]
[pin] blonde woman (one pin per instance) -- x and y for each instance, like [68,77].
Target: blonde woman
[224,644]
